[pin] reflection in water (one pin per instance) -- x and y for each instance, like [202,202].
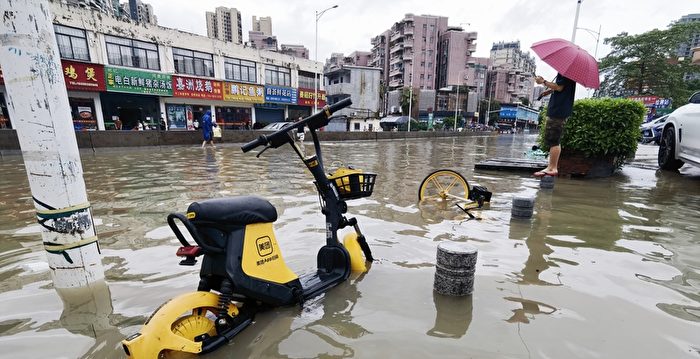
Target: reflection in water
[529,309]
[621,254]
[335,323]
[452,316]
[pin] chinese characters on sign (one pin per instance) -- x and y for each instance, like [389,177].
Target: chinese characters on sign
[306,97]
[83,77]
[280,94]
[243,92]
[197,88]
[134,81]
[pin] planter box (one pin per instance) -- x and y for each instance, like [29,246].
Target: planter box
[579,165]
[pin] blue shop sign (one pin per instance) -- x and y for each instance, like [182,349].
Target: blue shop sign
[280,94]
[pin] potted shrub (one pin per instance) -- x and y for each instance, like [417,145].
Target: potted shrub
[599,137]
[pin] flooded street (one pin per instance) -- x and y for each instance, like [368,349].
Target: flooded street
[606,268]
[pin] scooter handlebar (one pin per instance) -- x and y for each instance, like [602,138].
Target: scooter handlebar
[326,112]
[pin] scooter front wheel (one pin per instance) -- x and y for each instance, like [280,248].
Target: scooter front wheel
[181,324]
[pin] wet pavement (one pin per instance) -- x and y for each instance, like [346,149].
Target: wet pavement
[606,268]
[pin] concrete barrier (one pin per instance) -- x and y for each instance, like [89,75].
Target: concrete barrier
[9,144]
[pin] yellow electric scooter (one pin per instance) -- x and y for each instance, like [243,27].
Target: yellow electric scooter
[243,271]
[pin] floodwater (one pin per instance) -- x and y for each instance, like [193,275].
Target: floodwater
[606,268]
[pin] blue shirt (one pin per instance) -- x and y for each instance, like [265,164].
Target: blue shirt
[561,103]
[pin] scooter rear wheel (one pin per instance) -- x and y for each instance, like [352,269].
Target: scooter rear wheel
[200,322]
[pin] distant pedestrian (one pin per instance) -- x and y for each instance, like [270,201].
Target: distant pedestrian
[560,107]
[117,124]
[208,129]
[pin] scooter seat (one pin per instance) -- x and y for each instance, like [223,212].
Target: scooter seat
[239,210]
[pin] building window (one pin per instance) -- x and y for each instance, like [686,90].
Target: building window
[132,53]
[276,75]
[193,62]
[240,70]
[72,43]
[306,80]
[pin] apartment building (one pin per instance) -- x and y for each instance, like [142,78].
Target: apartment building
[263,24]
[225,24]
[512,74]
[142,12]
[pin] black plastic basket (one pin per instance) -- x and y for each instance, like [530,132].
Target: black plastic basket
[354,185]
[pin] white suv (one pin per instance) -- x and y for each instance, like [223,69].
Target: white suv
[680,139]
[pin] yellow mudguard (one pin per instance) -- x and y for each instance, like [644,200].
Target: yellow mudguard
[357,259]
[157,334]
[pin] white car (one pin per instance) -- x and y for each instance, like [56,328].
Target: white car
[680,139]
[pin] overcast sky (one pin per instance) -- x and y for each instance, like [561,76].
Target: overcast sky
[352,25]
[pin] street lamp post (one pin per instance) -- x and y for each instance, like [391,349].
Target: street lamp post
[456,109]
[410,97]
[316,77]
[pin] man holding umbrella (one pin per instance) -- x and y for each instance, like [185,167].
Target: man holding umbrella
[561,105]
[574,65]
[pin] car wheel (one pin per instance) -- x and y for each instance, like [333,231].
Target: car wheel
[667,151]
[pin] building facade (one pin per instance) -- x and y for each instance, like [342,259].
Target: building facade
[455,49]
[225,24]
[119,74]
[361,84]
[512,73]
[142,13]
[263,24]
[295,50]
[686,49]
[259,40]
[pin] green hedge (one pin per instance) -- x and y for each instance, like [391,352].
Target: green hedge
[601,128]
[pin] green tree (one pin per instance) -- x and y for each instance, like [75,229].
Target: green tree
[648,63]
[525,101]
[484,107]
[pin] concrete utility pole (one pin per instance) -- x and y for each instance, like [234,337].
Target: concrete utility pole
[38,101]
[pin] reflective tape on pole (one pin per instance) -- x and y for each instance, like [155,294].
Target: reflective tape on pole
[38,103]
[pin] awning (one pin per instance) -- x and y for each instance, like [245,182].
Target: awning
[394,120]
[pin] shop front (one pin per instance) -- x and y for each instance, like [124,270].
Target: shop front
[85,82]
[192,98]
[4,115]
[277,98]
[132,97]
[239,114]
[305,103]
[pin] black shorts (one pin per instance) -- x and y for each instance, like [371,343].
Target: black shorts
[553,131]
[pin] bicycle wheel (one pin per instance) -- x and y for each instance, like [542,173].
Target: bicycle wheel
[444,185]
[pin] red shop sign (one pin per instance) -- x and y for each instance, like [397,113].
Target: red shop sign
[305,97]
[82,76]
[197,88]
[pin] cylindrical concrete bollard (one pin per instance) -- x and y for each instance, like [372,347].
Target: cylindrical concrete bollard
[522,207]
[547,182]
[455,268]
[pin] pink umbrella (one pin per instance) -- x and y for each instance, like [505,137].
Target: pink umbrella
[569,60]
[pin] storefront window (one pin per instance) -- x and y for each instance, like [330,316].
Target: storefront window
[83,114]
[185,117]
[233,118]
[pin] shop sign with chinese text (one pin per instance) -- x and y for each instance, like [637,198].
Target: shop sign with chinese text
[306,97]
[280,94]
[240,92]
[135,81]
[83,76]
[192,87]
